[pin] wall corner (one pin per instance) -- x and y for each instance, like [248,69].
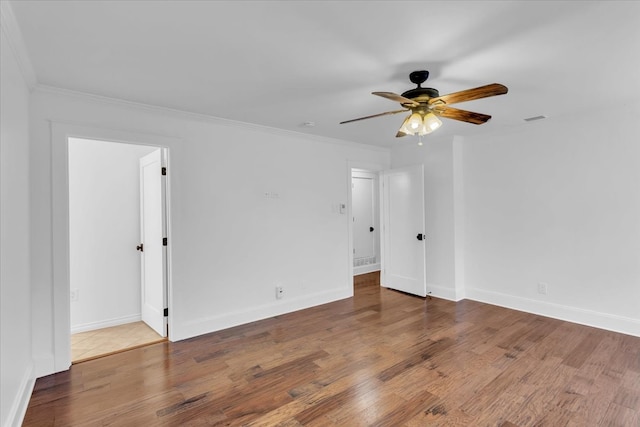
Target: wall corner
[458,217]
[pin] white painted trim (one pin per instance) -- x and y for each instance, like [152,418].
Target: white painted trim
[168,253]
[442,292]
[205,325]
[21,402]
[61,321]
[12,31]
[60,133]
[610,322]
[364,269]
[92,326]
[43,365]
[202,117]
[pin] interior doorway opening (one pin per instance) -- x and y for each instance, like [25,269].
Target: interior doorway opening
[399,217]
[105,267]
[365,218]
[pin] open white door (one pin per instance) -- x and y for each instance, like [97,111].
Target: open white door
[403,245]
[363,219]
[152,229]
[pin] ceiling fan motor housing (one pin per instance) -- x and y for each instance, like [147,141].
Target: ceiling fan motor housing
[421,92]
[419,77]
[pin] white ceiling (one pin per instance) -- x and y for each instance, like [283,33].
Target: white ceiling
[283,63]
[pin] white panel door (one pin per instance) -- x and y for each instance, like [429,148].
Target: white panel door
[403,244]
[363,220]
[152,226]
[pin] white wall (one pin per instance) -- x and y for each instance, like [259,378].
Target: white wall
[104,217]
[15,293]
[556,201]
[230,245]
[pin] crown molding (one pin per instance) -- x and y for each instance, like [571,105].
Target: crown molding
[187,115]
[11,30]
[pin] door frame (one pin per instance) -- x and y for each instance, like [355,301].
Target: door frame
[61,309]
[370,167]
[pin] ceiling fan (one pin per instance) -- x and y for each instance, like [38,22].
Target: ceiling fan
[427,105]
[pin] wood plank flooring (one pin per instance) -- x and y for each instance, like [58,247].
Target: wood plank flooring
[382,358]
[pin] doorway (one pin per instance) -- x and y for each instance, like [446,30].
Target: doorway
[365,208]
[399,216]
[104,233]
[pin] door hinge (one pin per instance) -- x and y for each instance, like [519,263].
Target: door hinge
[166,312]
[164,171]
[164,241]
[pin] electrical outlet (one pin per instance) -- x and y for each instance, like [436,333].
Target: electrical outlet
[279,292]
[542,288]
[75,294]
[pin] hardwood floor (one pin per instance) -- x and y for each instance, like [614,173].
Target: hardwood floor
[102,342]
[381,358]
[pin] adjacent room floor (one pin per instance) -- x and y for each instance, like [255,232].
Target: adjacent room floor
[101,342]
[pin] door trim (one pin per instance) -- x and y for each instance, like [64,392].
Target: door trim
[60,360]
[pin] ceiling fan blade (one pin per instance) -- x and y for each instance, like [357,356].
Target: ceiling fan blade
[400,134]
[375,115]
[471,94]
[462,115]
[398,98]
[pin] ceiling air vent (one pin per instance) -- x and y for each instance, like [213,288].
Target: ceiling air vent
[534,118]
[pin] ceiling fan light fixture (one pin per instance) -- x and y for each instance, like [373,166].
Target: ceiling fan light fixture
[432,122]
[406,128]
[424,130]
[420,123]
[415,122]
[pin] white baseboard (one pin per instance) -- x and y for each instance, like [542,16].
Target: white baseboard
[610,322]
[21,402]
[105,323]
[207,325]
[364,269]
[442,292]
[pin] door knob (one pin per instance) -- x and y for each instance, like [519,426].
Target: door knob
[140,247]
[371,229]
[420,236]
